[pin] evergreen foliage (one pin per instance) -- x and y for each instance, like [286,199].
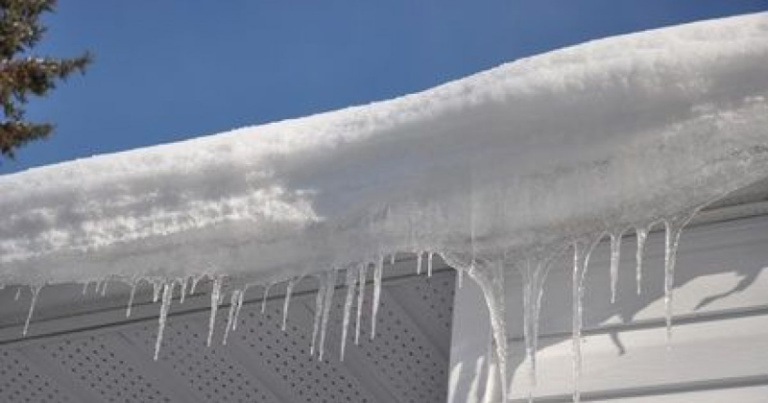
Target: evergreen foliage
[23,74]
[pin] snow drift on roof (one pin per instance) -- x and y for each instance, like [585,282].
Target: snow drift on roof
[606,135]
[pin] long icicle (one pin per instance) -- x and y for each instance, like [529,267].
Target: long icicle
[18,294]
[528,284]
[419,262]
[240,299]
[215,293]
[183,290]
[582,250]
[329,290]
[131,297]
[377,273]
[231,314]
[287,302]
[673,229]
[642,236]
[534,276]
[162,320]
[264,298]
[195,280]
[319,299]
[156,288]
[351,282]
[430,256]
[362,273]
[490,278]
[104,287]
[85,287]
[35,292]
[615,258]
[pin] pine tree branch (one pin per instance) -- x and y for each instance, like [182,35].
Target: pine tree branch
[20,77]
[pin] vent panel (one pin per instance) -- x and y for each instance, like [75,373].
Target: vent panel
[21,382]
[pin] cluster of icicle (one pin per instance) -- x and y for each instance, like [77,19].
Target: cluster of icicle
[534,265]
[487,272]
[163,290]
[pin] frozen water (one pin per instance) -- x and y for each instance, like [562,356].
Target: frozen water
[533,155]
[582,250]
[234,300]
[35,290]
[264,297]
[419,263]
[319,299]
[131,297]
[642,236]
[377,273]
[611,134]
[287,302]
[615,257]
[240,298]
[362,273]
[430,257]
[330,287]
[215,300]
[350,282]
[163,318]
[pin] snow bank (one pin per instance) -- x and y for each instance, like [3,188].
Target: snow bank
[606,135]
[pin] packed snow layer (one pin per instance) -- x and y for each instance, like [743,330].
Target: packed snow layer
[606,135]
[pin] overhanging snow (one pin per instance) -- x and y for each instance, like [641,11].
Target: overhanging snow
[607,135]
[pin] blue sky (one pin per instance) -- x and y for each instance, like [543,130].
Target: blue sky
[172,70]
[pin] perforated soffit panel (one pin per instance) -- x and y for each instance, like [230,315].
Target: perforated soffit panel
[81,348]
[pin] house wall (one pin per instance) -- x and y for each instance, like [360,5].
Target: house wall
[719,347]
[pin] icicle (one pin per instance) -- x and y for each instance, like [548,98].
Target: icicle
[195,280]
[130,298]
[490,278]
[392,259]
[164,308]
[674,228]
[429,264]
[642,235]
[156,288]
[350,283]
[418,262]
[239,306]
[534,275]
[233,301]
[85,287]
[330,287]
[287,302]
[215,292]
[582,249]
[104,287]
[264,298]
[18,294]
[319,299]
[377,272]
[35,292]
[362,273]
[615,257]
[183,289]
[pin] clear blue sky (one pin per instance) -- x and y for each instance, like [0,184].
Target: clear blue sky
[171,70]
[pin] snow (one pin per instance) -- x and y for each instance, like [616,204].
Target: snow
[610,133]
[495,171]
